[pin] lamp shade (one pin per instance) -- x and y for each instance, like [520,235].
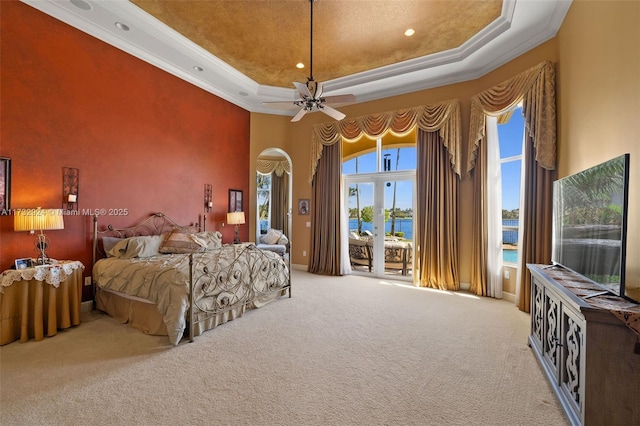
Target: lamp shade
[38,219]
[235,218]
[53,219]
[23,221]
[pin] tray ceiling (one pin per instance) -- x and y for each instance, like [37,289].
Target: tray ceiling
[246,51]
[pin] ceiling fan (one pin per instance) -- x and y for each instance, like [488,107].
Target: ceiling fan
[310,93]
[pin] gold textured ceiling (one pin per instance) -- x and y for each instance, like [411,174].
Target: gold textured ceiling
[265,39]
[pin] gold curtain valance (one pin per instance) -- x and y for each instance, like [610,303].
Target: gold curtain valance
[444,117]
[536,89]
[266,166]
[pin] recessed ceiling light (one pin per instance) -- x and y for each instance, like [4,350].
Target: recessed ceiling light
[121,26]
[197,68]
[300,65]
[80,4]
[409,32]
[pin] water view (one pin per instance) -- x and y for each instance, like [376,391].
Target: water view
[402,225]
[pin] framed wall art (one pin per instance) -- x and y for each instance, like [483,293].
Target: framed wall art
[5,183]
[235,200]
[303,206]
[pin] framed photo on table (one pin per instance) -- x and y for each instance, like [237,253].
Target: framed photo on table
[5,183]
[235,200]
[23,263]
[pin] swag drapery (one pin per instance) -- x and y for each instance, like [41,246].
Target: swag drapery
[536,89]
[436,265]
[280,170]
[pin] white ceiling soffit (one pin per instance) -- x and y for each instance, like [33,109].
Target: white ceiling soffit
[523,25]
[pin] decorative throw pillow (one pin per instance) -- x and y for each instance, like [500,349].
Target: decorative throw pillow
[180,241]
[142,246]
[272,236]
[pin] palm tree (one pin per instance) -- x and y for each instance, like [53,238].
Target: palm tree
[356,192]
[393,210]
[263,185]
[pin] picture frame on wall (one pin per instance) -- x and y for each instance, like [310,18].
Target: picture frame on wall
[303,206]
[5,183]
[235,200]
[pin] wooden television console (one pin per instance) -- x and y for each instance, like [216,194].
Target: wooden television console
[587,342]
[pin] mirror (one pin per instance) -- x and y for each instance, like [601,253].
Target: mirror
[273,189]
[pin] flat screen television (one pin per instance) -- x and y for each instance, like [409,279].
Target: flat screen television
[590,223]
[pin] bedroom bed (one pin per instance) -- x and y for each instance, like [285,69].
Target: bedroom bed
[165,279]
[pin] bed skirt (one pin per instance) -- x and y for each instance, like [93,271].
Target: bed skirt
[144,316]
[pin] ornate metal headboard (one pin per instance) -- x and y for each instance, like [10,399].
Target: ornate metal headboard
[154,224]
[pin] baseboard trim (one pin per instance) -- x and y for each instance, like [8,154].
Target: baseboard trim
[86,306]
[509,297]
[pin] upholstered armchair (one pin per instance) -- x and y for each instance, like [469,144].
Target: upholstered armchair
[274,240]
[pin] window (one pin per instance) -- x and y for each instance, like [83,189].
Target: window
[387,154]
[263,185]
[510,136]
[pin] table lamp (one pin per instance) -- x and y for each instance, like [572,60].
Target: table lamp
[42,220]
[235,218]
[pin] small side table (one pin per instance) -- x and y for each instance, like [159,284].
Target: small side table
[38,301]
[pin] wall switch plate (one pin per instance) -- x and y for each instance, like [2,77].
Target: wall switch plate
[506,274]
[87,281]
[304,253]
[308,224]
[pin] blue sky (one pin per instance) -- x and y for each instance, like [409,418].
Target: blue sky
[510,135]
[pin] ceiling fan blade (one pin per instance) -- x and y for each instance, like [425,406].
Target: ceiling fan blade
[334,113]
[339,99]
[299,115]
[280,105]
[302,89]
[318,91]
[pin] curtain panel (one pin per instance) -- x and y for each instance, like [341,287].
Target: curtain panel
[536,222]
[436,223]
[280,202]
[324,256]
[443,117]
[535,87]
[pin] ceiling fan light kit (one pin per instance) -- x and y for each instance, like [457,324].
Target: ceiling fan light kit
[310,93]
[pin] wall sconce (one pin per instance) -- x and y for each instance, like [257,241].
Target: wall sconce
[208,204]
[41,220]
[70,186]
[235,218]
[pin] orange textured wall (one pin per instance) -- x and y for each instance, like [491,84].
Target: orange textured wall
[143,139]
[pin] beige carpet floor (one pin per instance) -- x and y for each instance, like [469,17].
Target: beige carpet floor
[342,351]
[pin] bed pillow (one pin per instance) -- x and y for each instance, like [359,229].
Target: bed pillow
[208,240]
[180,241]
[272,236]
[108,243]
[142,246]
